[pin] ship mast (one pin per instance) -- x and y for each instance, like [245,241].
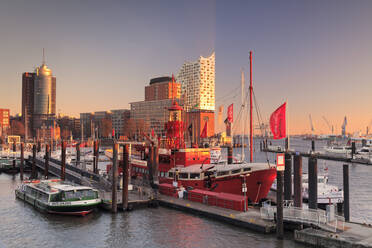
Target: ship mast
[250,111]
[243,107]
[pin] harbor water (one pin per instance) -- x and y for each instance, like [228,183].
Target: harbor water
[23,226]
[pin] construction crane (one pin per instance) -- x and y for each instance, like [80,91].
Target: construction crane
[329,125]
[311,125]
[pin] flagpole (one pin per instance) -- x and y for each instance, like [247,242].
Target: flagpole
[287,124]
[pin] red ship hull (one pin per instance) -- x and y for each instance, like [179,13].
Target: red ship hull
[258,184]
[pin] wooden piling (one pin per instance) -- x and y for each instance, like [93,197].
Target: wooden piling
[288,177]
[38,146]
[353,149]
[77,153]
[96,156]
[22,161]
[14,163]
[156,165]
[125,176]
[46,170]
[313,182]
[114,207]
[279,205]
[346,192]
[313,145]
[33,169]
[230,154]
[63,162]
[150,163]
[297,180]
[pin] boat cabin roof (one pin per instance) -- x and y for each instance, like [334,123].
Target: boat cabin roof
[198,168]
[53,186]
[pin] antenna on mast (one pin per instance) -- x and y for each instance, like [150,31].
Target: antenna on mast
[43,56]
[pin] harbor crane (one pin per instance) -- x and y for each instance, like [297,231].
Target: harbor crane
[311,125]
[329,125]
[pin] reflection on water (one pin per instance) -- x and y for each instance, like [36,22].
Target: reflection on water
[23,226]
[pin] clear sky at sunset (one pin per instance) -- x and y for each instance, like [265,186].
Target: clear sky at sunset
[316,54]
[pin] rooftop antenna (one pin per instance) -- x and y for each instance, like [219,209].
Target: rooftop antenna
[43,57]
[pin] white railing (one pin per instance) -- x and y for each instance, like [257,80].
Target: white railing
[305,216]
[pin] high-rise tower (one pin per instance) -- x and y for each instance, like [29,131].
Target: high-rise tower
[198,83]
[38,98]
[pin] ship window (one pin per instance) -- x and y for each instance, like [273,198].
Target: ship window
[222,173]
[247,169]
[184,175]
[194,175]
[170,174]
[235,171]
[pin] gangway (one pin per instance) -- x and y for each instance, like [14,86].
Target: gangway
[312,217]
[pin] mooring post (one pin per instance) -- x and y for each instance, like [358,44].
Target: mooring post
[96,156]
[150,163]
[288,177]
[313,145]
[230,154]
[125,176]
[279,204]
[156,165]
[77,153]
[38,146]
[22,161]
[33,169]
[14,147]
[46,170]
[114,206]
[346,193]
[63,162]
[14,150]
[297,180]
[313,182]
[353,149]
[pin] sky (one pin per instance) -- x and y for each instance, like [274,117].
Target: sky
[316,54]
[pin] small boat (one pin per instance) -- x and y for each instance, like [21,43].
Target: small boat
[58,197]
[345,150]
[327,193]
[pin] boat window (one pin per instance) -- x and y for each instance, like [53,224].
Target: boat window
[222,173]
[184,175]
[320,180]
[170,174]
[247,169]
[194,175]
[235,171]
[304,181]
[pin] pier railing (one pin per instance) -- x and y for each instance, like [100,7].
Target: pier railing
[316,217]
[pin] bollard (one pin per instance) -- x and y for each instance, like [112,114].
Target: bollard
[297,180]
[22,161]
[125,176]
[46,170]
[279,204]
[114,206]
[230,154]
[63,162]
[313,182]
[33,169]
[288,177]
[346,193]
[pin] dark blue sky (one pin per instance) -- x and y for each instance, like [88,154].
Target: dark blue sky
[316,54]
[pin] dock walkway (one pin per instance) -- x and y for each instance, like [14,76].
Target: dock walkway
[251,219]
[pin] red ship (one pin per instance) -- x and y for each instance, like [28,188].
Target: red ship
[191,168]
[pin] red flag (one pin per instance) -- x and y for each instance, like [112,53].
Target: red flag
[113,132]
[277,122]
[204,132]
[230,113]
[152,133]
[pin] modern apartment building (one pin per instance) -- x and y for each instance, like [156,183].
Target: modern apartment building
[198,83]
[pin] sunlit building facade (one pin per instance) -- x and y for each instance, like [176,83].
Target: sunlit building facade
[198,83]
